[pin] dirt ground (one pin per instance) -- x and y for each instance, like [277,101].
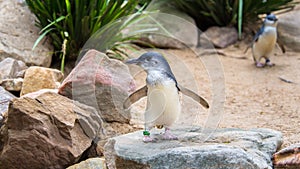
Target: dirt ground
[252,97]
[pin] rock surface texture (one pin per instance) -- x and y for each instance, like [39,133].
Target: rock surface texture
[46,130]
[171,27]
[288,29]
[220,37]
[12,73]
[11,68]
[287,158]
[5,98]
[226,149]
[18,33]
[102,83]
[37,78]
[91,163]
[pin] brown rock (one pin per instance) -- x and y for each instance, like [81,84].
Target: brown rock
[287,158]
[220,37]
[46,130]
[37,78]
[102,83]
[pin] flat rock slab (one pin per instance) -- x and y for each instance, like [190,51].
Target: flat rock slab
[225,148]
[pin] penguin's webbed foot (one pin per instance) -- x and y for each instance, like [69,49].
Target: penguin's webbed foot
[147,139]
[269,63]
[259,65]
[168,135]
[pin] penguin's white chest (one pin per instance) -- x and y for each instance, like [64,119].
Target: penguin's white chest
[265,44]
[163,105]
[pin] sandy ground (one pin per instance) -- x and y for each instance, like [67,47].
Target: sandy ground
[251,97]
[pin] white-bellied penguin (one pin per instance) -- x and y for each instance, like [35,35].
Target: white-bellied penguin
[162,91]
[264,41]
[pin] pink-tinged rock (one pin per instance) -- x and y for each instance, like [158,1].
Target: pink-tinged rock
[102,83]
[46,130]
[37,78]
[287,158]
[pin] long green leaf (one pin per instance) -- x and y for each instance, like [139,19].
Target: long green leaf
[41,37]
[53,22]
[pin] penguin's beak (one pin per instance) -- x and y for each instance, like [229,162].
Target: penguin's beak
[132,61]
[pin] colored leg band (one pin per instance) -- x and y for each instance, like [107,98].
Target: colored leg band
[146,133]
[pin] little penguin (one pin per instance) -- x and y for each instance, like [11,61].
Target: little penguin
[264,41]
[162,91]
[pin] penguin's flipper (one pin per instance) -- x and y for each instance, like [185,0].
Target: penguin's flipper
[194,96]
[134,97]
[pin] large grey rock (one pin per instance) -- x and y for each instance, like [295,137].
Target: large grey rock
[226,149]
[37,78]
[18,33]
[91,163]
[102,83]
[288,29]
[172,28]
[220,37]
[5,98]
[46,130]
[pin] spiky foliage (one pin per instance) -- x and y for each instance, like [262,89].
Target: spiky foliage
[225,12]
[70,23]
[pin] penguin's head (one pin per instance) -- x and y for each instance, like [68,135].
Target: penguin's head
[271,20]
[151,61]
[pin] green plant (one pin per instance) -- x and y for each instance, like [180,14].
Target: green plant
[70,23]
[226,12]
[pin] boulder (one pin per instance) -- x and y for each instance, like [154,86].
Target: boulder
[226,149]
[11,68]
[288,29]
[18,34]
[37,78]
[220,37]
[287,158]
[5,98]
[102,83]
[91,163]
[171,27]
[46,130]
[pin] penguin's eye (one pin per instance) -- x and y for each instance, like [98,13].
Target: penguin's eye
[148,59]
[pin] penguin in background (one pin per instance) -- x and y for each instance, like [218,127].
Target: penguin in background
[264,41]
[162,91]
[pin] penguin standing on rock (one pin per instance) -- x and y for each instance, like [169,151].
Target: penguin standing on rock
[162,91]
[264,41]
